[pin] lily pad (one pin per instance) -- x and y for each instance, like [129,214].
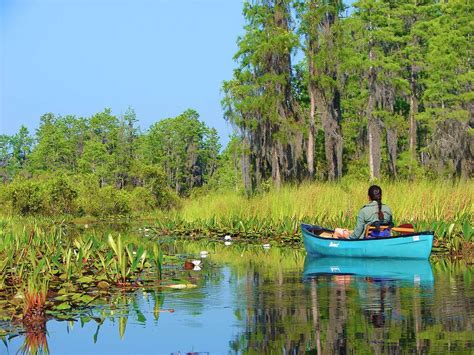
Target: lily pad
[86,299]
[85,280]
[63,306]
[64,297]
[103,285]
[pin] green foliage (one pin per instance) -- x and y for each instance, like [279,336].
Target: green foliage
[142,199]
[102,202]
[229,174]
[185,148]
[14,152]
[26,197]
[60,196]
[45,196]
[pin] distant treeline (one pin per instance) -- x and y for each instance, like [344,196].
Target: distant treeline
[384,89]
[103,165]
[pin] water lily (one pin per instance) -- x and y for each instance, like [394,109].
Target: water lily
[227,237]
[196,262]
[203,254]
[227,243]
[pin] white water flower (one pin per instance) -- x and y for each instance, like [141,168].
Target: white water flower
[203,254]
[227,243]
[227,237]
[266,246]
[196,262]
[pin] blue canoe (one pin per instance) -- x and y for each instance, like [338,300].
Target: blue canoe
[413,271]
[410,246]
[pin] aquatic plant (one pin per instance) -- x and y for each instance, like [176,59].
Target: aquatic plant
[127,261]
[34,317]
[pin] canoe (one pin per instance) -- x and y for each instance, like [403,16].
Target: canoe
[410,246]
[412,271]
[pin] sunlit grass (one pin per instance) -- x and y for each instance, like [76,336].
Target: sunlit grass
[410,202]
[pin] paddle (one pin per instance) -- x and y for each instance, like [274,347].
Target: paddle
[406,228]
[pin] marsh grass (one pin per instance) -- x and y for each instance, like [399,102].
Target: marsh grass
[444,207]
[410,202]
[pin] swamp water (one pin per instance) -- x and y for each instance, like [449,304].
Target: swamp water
[251,300]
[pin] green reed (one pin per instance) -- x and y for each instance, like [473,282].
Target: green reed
[410,201]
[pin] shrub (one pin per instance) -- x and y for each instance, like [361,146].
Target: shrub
[142,200]
[103,202]
[27,197]
[61,196]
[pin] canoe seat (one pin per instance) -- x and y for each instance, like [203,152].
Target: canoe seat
[383,227]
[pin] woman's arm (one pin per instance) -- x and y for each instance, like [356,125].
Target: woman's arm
[360,226]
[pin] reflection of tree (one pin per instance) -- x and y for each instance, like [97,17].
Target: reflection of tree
[344,314]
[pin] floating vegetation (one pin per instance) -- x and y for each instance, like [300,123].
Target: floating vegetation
[47,272]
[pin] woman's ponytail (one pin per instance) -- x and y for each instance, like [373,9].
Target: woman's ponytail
[380,210]
[375,194]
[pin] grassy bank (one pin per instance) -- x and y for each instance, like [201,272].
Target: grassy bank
[444,207]
[274,216]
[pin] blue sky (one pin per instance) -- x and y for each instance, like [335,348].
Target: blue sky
[80,56]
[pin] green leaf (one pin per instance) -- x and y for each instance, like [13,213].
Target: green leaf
[86,299]
[85,280]
[63,306]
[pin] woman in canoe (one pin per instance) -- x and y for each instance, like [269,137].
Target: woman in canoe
[374,211]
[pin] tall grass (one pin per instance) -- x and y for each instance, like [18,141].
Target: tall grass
[445,207]
[410,202]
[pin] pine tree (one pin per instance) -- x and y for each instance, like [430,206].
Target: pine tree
[259,99]
[321,31]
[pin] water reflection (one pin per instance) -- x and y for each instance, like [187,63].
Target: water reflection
[357,306]
[279,304]
[376,294]
[411,271]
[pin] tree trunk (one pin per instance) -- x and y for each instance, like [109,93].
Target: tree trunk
[413,112]
[392,151]
[374,148]
[280,64]
[373,123]
[332,133]
[276,174]
[312,130]
[246,168]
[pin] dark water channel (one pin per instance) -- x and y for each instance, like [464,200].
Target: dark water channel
[251,300]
